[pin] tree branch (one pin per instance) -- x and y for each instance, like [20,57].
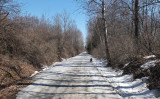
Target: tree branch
[100,5]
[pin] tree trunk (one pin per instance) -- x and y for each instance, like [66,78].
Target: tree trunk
[132,23]
[105,35]
[136,23]
[136,18]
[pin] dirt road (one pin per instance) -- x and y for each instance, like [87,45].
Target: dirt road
[74,78]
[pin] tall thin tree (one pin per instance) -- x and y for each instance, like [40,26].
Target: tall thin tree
[98,7]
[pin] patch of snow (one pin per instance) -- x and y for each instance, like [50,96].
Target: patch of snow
[57,63]
[63,59]
[45,68]
[125,85]
[151,56]
[49,67]
[126,65]
[149,64]
[36,72]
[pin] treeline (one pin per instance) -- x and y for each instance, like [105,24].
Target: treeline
[132,26]
[124,31]
[37,41]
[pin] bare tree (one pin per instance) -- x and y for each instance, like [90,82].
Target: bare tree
[136,23]
[98,7]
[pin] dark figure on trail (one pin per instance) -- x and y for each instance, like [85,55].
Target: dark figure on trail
[91,60]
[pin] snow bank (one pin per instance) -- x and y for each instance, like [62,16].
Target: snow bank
[149,64]
[151,56]
[44,68]
[36,72]
[63,59]
[125,85]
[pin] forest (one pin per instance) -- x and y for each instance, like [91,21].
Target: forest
[27,43]
[125,31]
[129,32]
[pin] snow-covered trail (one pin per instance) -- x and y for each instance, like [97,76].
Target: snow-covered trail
[74,78]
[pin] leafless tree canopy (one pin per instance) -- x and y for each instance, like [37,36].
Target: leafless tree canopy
[37,41]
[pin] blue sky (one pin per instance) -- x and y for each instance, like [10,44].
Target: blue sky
[51,7]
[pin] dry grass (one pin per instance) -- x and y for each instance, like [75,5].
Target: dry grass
[154,77]
[11,91]
[12,70]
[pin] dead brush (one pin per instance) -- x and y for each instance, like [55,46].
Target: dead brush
[154,77]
